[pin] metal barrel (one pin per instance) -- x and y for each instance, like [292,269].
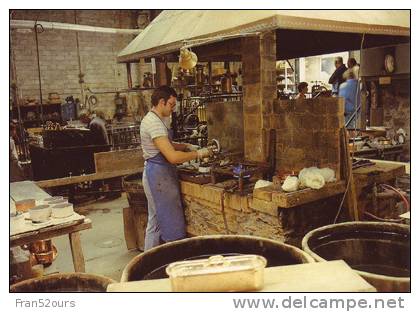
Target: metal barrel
[152,263]
[64,282]
[378,251]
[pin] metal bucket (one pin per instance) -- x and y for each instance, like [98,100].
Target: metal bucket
[377,251]
[64,282]
[133,186]
[152,263]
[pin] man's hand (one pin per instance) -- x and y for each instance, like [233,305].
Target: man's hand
[191,147]
[204,153]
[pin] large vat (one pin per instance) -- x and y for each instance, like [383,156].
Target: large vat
[378,251]
[152,263]
[64,282]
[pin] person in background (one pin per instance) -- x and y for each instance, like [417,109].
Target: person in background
[160,180]
[97,127]
[350,92]
[84,118]
[336,78]
[352,63]
[302,89]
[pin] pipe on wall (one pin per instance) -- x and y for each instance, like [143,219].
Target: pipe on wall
[24,24]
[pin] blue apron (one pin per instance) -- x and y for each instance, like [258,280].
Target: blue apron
[163,181]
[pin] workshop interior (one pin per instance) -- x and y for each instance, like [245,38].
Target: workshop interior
[209,151]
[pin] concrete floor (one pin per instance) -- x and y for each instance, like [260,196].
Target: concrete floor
[103,245]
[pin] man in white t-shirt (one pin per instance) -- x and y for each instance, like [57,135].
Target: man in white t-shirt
[161,185]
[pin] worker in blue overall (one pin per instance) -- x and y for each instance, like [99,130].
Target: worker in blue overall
[161,185]
[350,91]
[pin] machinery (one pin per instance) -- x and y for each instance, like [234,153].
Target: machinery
[225,167]
[123,135]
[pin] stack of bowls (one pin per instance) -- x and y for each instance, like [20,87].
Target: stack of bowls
[40,213]
[62,210]
[60,207]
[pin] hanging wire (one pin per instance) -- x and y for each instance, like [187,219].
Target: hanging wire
[349,172]
[38,28]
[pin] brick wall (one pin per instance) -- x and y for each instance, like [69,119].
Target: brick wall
[308,133]
[58,54]
[225,123]
[259,91]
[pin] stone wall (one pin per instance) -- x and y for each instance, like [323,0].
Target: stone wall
[207,207]
[58,55]
[308,133]
[225,123]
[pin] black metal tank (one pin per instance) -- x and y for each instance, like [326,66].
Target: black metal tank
[152,263]
[378,251]
[64,282]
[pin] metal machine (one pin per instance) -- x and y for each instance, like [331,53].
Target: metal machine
[224,167]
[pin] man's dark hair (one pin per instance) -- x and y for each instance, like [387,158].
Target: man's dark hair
[302,86]
[163,92]
[352,62]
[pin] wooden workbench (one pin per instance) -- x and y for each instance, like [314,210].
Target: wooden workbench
[380,172]
[28,189]
[299,197]
[366,177]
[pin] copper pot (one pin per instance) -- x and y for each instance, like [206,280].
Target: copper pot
[43,251]
[46,257]
[41,246]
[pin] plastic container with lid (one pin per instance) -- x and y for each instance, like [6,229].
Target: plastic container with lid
[218,273]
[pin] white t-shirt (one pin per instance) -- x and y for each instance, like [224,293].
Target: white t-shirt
[151,127]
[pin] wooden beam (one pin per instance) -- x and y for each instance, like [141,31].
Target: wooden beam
[347,163]
[119,160]
[77,252]
[363,107]
[161,74]
[293,199]
[129,79]
[130,233]
[88,177]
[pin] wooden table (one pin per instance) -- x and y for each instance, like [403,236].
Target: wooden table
[72,229]
[28,189]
